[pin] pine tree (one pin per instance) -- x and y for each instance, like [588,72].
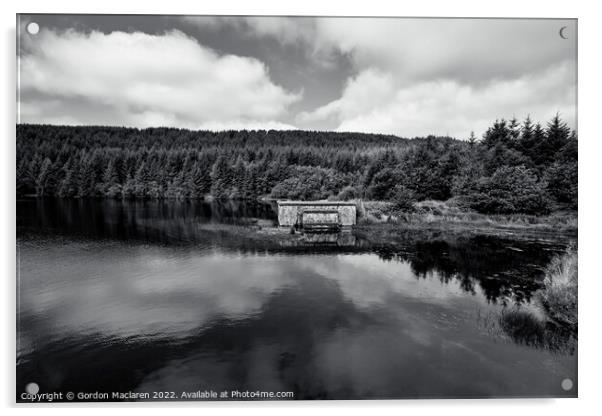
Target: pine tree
[129,188]
[33,170]
[110,180]
[85,180]
[198,183]
[220,177]
[513,133]
[238,177]
[141,181]
[110,176]
[472,139]
[68,186]
[250,187]
[155,163]
[44,177]
[557,135]
[527,143]
[498,134]
[534,146]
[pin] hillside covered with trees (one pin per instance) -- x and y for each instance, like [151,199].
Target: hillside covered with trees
[514,168]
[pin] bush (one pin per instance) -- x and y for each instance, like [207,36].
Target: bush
[559,295]
[562,182]
[309,183]
[383,185]
[510,190]
[403,198]
[348,193]
[374,211]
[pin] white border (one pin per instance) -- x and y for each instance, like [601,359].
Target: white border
[590,150]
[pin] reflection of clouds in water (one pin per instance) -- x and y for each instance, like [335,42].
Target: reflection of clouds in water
[344,326]
[405,355]
[158,291]
[393,363]
[142,291]
[254,369]
[369,281]
[367,353]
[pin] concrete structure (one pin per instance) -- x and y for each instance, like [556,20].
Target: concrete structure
[308,214]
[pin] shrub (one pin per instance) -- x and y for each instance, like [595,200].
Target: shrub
[559,295]
[310,183]
[348,193]
[383,184]
[510,190]
[403,198]
[562,182]
[374,211]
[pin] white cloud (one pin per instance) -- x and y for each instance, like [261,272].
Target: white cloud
[143,80]
[362,94]
[373,102]
[439,76]
[467,50]
[415,49]
[411,76]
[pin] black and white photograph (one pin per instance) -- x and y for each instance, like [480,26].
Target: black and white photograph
[283,208]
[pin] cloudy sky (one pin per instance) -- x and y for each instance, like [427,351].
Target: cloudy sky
[409,77]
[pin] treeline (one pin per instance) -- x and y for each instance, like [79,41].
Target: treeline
[514,168]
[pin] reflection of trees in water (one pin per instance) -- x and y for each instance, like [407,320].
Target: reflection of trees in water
[505,270]
[153,221]
[524,327]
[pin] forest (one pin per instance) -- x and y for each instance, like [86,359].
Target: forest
[515,167]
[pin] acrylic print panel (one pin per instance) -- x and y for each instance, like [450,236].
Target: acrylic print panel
[280,208]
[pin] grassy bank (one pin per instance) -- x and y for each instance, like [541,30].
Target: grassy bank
[450,215]
[559,295]
[553,323]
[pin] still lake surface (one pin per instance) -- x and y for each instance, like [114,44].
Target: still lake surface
[184,296]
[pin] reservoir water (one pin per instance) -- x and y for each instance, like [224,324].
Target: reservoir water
[167,296]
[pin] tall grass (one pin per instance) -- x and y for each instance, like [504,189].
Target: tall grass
[449,214]
[559,295]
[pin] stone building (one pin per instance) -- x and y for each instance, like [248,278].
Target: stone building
[316,214]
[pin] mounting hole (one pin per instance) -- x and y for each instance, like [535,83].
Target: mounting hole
[567,384]
[33,28]
[32,388]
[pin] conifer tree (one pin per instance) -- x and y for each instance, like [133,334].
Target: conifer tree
[44,178]
[220,177]
[85,180]
[557,135]
[110,176]
[68,186]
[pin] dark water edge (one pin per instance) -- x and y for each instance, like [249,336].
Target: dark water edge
[147,295]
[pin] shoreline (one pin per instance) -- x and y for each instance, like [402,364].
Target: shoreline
[444,216]
[448,216]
